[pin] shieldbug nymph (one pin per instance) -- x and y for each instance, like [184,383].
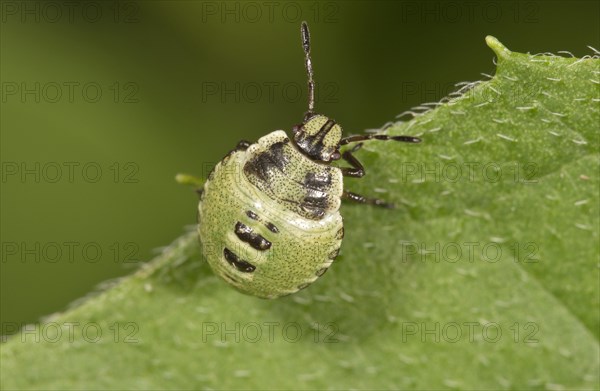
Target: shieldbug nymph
[269,219]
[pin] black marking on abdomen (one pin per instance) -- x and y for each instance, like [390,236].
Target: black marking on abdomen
[211,174]
[271,227]
[262,165]
[316,206]
[339,235]
[321,271]
[334,254]
[246,234]
[316,202]
[235,261]
[315,212]
[318,180]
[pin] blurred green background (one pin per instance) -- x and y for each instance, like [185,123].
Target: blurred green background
[104,102]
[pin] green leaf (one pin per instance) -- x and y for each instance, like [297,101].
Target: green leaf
[485,277]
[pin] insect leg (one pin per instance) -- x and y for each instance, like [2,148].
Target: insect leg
[357,170]
[348,195]
[186,179]
[381,137]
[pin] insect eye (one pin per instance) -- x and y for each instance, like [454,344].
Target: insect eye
[336,155]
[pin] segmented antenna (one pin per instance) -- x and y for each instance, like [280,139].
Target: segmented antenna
[309,70]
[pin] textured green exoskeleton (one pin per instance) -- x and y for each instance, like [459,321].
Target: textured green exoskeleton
[257,230]
[269,219]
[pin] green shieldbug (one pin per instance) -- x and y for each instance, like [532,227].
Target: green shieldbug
[269,219]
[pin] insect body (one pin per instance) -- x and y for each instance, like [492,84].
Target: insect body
[269,219]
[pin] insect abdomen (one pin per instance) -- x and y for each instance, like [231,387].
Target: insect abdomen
[257,245]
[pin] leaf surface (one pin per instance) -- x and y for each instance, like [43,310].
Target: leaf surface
[485,277]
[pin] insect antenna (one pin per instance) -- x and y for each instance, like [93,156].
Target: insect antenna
[309,70]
